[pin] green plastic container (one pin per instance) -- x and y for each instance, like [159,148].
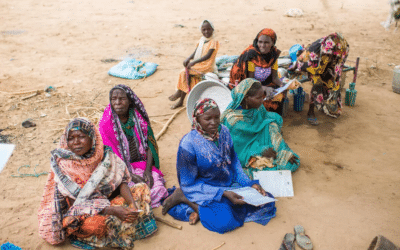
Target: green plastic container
[351,95]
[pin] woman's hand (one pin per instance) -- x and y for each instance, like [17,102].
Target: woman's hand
[234,198]
[269,153]
[70,201]
[190,65]
[269,93]
[148,178]
[186,62]
[259,189]
[293,159]
[137,179]
[125,214]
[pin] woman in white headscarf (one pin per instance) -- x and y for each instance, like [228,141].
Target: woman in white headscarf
[200,62]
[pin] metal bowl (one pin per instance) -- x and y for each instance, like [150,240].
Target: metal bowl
[208,89]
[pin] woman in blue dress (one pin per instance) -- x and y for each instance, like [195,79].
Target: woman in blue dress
[208,168]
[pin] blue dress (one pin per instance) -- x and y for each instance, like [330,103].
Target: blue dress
[205,170]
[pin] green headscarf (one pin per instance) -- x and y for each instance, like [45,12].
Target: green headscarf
[255,130]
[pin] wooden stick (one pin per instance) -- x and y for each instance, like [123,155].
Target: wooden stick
[26,92]
[161,115]
[215,248]
[149,96]
[91,103]
[168,223]
[168,122]
[57,129]
[29,96]
[66,110]
[155,121]
[80,107]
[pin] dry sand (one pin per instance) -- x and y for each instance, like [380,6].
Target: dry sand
[347,187]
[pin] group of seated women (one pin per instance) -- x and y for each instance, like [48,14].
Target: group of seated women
[104,181]
[322,61]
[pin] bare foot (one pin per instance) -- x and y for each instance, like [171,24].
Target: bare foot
[175,96]
[178,104]
[176,197]
[194,218]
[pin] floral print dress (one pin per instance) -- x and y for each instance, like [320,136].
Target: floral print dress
[323,60]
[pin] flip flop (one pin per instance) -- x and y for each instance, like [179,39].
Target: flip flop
[312,121]
[302,239]
[288,242]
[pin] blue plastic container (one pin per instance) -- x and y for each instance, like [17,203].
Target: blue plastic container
[293,51]
[285,108]
[298,99]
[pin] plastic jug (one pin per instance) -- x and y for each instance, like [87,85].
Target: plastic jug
[298,99]
[285,108]
[351,95]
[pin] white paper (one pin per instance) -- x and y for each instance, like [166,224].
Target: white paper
[281,89]
[252,196]
[278,183]
[5,153]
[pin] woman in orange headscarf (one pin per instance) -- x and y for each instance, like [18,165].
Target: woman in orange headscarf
[260,61]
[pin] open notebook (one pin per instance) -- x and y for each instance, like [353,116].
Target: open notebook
[278,183]
[252,196]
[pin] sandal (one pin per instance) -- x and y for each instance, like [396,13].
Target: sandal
[302,239]
[312,121]
[288,242]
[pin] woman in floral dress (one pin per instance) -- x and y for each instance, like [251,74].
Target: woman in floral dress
[323,60]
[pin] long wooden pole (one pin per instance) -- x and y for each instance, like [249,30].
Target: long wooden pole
[168,223]
[168,122]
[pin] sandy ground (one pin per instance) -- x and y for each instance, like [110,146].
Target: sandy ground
[347,187]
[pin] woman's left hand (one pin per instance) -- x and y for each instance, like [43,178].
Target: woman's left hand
[259,189]
[148,178]
[137,179]
[293,159]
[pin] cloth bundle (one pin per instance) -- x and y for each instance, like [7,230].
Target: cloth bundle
[133,69]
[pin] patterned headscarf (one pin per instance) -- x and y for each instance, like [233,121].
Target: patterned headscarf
[84,125]
[73,165]
[200,108]
[133,99]
[81,124]
[252,53]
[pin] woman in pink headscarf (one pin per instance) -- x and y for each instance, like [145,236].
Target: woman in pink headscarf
[125,127]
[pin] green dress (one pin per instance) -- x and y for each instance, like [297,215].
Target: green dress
[255,130]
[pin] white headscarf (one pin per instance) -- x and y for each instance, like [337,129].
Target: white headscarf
[199,50]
